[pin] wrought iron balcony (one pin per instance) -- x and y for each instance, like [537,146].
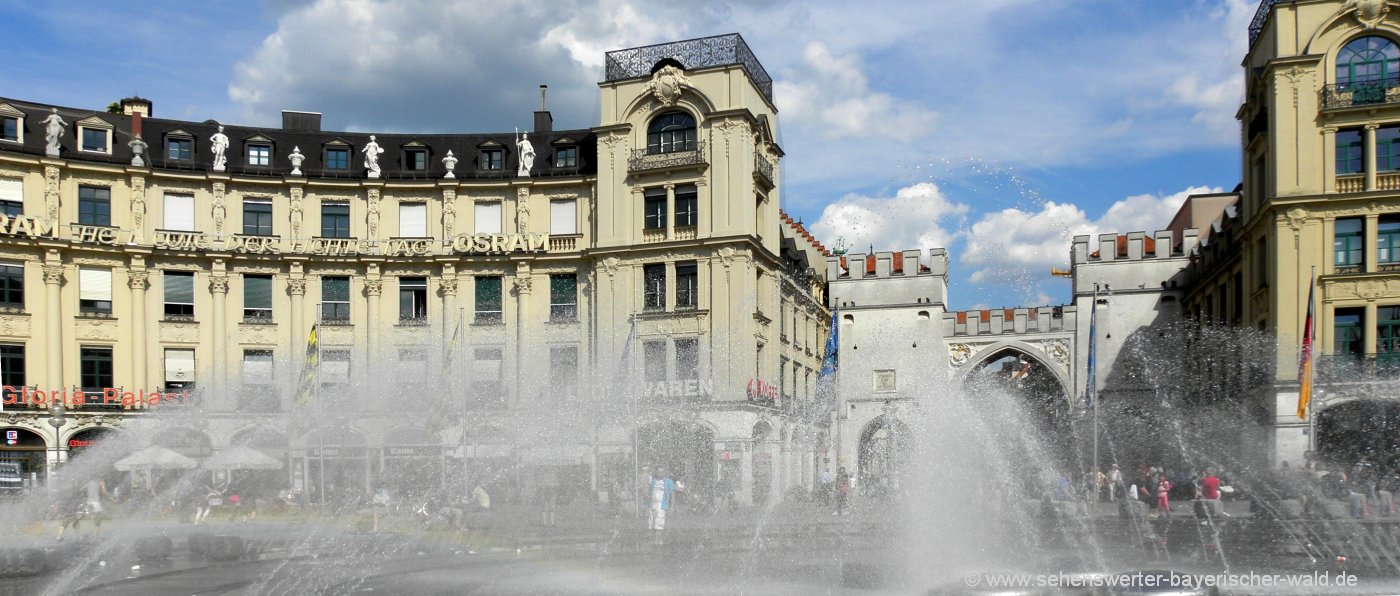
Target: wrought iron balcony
[763,169]
[647,159]
[719,50]
[1368,93]
[1261,17]
[1358,368]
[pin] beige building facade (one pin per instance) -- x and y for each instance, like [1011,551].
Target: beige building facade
[524,309]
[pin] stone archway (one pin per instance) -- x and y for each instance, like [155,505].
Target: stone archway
[23,459]
[882,454]
[1038,386]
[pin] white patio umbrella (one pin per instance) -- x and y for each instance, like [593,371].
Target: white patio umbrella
[239,457]
[154,458]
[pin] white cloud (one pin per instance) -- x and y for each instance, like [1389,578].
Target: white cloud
[835,99]
[916,217]
[1024,245]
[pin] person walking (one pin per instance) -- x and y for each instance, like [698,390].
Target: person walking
[1115,482]
[1164,488]
[824,491]
[843,491]
[660,488]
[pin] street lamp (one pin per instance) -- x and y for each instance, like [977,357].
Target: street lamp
[56,420]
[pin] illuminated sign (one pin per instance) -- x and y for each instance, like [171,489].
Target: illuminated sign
[762,391]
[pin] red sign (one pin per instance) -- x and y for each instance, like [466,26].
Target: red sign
[761,391]
[725,455]
[79,443]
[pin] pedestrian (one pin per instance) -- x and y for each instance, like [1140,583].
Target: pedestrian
[71,510]
[213,497]
[843,491]
[1164,487]
[824,491]
[1115,482]
[660,489]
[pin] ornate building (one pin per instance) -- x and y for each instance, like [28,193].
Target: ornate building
[581,290]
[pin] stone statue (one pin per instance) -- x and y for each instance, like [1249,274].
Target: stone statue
[138,149]
[451,163]
[219,143]
[53,131]
[522,215]
[526,151]
[296,158]
[372,152]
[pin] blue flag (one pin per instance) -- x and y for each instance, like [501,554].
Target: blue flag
[833,345]
[1091,389]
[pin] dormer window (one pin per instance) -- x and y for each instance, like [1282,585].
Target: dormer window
[179,148]
[259,154]
[11,124]
[566,157]
[95,135]
[493,159]
[415,160]
[671,132]
[337,158]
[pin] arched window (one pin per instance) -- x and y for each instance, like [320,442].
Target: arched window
[672,131]
[1368,60]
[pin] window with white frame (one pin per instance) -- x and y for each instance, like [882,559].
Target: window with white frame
[563,217]
[179,369]
[95,135]
[11,196]
[179,212]
[413,220]
[94,290]
[488,218]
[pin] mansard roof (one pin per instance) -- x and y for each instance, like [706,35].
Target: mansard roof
[464,146]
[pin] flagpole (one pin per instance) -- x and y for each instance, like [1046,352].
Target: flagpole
[1093,378]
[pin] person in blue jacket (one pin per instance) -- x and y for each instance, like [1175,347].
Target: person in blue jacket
[660,487]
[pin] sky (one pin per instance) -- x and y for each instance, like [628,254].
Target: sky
[998,129]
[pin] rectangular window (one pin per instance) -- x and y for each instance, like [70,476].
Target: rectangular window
[413,365]
[1348,242]
[1388,240]
[1346,331]
[96,368]
[488,300]
[687,288]
[258,367]
[488,218]
[1388,332]
[566,157]
[654,209]
[179,294]
[413,220]
[94,139]
[1388,149]
[12,286]
[687,359]
[1261,263]
[415,160]
[12,373]
[9,128]
[94,290]
[257,217]
[563,372]
[687,204]
[179,212]
[179,368]
[493,159]
[335,299]
[179,149]
[257,298]
[94,206]
[335,367]
[563,217]
[884,381]
[337,159]
[413,299]
[259,155]
[335,220]
[654,361]
[1350,152]
[654,286]
[563,297]
[486,377]
[11,196]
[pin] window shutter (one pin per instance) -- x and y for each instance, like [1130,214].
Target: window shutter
[488,218]
[12,189]
[257,291]
[179,287]
[563,218]
[179,366]
[413,220]
[179,212]
[95,284]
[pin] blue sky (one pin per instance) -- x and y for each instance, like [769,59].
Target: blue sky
[997,128]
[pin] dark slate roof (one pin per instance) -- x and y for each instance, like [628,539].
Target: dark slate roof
[465,147]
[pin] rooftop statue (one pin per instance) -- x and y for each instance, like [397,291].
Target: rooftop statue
[53,131]
[526,152]
[372,152]
[219,144]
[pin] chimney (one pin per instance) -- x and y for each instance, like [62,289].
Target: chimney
[136,105]
[544,121]
[135,124]
[301,121]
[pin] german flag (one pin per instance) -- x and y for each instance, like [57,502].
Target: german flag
[1305,358]
[307,388]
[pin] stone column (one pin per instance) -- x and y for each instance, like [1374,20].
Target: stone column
[523,281]
[1368,143]
[1368,329]
[218,287]
[53,323]
[450,316]
[138,281]
[670,211]
[374,286]
[1372,255]
[296,288]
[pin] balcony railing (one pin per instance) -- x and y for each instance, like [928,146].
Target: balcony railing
[1351,183]
[1368,93]
[1350,368]
[763,169]
[1261,17]
[646,159]
[719,50]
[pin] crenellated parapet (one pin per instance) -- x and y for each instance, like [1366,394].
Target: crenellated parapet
[1133,246]
[1043,319]
[910,277]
